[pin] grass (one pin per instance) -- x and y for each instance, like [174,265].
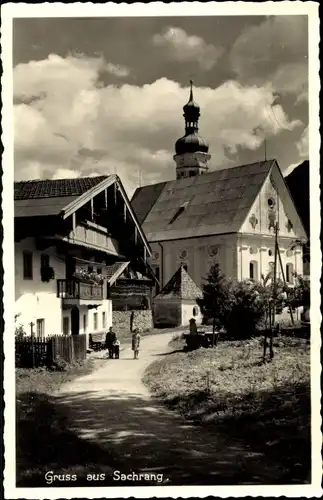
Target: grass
[229,390]
[44,441]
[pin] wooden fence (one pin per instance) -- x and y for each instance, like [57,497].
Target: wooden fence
[35,352]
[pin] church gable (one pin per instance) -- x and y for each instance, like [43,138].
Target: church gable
[274,204]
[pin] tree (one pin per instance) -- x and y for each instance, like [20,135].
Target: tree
[215,301]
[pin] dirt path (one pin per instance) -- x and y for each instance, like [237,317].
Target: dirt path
[113,409]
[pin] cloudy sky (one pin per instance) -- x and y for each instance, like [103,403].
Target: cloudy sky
[104,95]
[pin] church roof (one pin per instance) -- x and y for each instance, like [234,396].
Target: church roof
[180,286]
[214,203]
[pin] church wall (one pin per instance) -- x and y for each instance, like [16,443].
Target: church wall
[198,254]
[260,251]
[273,204]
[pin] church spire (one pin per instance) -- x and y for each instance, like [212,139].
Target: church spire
[191,92]
[191,150]
[191,113]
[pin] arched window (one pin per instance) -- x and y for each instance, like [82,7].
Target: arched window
[253,270]
[289,272]
[195,311]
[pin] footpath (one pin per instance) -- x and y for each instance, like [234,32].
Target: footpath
[112,408]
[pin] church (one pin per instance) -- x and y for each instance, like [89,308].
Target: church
[226,216]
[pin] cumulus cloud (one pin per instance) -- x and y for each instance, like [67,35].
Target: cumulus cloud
[67,123]
[183,47]
[277,50]
[302,145]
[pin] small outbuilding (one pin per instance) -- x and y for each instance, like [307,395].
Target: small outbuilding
[176,304]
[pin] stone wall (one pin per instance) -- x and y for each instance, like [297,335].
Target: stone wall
[121,322]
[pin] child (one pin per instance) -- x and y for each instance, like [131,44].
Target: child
[135,344]
[116,348]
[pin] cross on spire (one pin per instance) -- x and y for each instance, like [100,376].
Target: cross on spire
[191,92]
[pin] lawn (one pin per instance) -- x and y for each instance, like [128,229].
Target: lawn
[44,441]
[229,390]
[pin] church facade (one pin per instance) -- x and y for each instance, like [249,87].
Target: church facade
[226,216]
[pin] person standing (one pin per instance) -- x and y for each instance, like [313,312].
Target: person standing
[135,343]
[116,348]
[110,338]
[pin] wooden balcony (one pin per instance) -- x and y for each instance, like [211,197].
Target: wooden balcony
[78,293]
[94,237]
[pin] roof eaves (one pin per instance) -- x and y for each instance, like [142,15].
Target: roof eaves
[133,215]
[288,190]
[85,197]
[119,271]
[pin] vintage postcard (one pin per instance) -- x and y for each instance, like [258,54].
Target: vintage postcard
[161,250]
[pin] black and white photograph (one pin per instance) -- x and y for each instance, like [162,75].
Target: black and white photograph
[161,250]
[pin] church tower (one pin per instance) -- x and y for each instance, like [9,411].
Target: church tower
[191,150]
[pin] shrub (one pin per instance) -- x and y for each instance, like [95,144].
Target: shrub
[59,365]
[247,308]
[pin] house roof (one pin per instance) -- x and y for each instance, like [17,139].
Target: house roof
[180,286]
[114,271]
[50,197]
[213,203]
[50,188]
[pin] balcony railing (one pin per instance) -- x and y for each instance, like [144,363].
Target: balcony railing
[72,289]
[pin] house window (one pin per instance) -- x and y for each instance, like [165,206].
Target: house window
[40,327]
[253,270]
[289,272]
[195,311]
[66,325]
[84,323]
[44,260]
[192,174]
[103,320]
[28,265]
[95,321]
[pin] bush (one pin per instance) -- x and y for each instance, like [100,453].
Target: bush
[247,309]
[59,365]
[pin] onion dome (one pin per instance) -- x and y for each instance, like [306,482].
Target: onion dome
[191,143]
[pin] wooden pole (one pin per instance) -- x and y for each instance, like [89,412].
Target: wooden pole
[272,326]
[115,192]
[92,210]
[284,280]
